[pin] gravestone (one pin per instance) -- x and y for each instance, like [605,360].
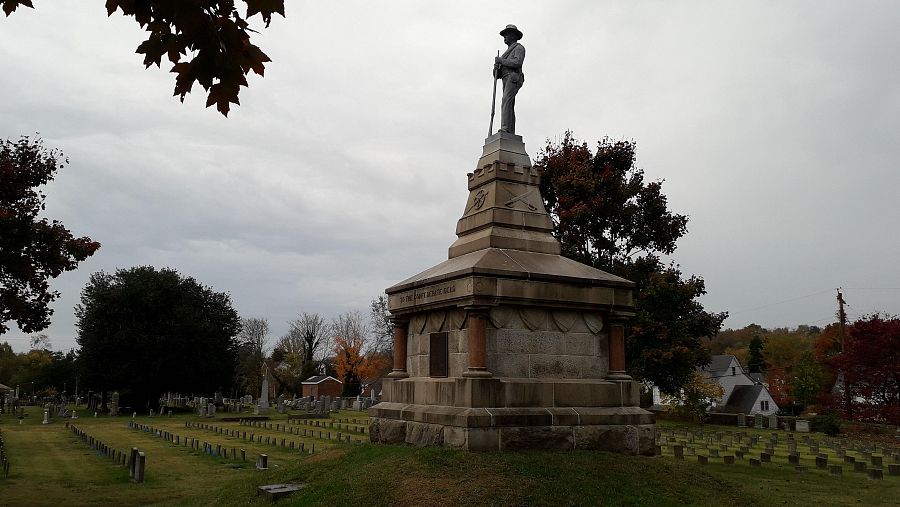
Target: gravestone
[773,422]
[114,404]
[140,466]
[802,426]
[275,492]
[263,404]
[46,416]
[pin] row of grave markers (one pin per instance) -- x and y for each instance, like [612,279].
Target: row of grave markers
[746,442]
[272,441]
[208,448]
[339,436]
[216,450]
[134,460]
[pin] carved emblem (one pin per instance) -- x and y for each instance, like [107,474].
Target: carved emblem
[480,196]
[517,198]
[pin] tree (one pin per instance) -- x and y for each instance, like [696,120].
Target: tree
[382,329]
[870,365]
[144,332]
[252,341]
[355,359]
[664,343]
[729,341]
[808,379]
[605,215]
[213,32]
[311,334]
[695,397]
[32,250]
[786,348]
[757,362]
[779,386]
[286,364]
[40,341]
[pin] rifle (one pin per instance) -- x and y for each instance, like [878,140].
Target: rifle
[494,97]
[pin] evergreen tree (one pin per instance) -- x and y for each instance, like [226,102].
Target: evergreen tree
[757,362]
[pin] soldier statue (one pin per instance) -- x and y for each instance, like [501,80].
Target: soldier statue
[508,67]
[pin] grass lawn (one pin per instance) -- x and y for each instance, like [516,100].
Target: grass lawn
[50,466]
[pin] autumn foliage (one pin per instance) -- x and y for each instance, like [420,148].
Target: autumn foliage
[356,358]
[806,368]
[870,365]
[33,250]
[608,216]
[212,32]
[352,365]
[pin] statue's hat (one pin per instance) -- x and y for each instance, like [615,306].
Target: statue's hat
[513,29]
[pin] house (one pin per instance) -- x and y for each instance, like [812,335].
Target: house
[743,392]
[322,385]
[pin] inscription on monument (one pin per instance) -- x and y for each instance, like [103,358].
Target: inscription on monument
[430,292]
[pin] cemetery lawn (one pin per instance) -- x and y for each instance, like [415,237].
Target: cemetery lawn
[50,466]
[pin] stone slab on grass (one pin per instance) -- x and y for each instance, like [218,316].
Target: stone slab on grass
[275,492]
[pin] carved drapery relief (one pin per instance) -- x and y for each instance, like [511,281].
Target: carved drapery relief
[543,319]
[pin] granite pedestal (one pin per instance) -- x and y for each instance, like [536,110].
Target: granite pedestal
[508,345]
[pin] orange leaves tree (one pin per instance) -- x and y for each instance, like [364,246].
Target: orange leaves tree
[355,357]
[213,32]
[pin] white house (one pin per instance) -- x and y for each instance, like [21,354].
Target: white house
[743,392]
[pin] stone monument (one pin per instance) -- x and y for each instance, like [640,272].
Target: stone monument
[263,404]
[508,345]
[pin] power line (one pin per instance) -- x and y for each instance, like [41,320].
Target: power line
[781,302]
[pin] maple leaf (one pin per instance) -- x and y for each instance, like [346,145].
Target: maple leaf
[9,6]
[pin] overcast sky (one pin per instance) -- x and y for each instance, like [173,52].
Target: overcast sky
[776,126]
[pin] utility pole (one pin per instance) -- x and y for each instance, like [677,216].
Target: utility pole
[842,323]
[842,318]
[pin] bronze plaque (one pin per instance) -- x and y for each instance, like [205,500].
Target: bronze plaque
[438,358]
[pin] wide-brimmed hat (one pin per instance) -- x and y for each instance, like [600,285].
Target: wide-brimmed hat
[513,29]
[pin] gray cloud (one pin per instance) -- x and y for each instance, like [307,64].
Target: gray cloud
[343,171]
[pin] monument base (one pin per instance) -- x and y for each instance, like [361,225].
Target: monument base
[499,414]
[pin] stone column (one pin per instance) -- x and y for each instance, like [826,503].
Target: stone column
[617,348]
[477,330]
[401,327]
